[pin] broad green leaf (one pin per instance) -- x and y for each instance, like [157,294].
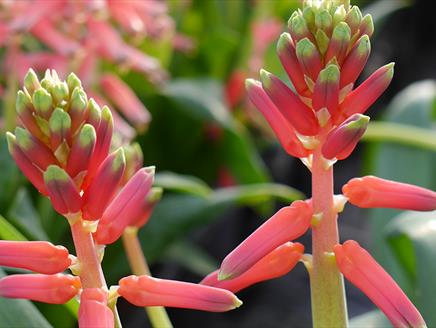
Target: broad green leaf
[8,231]
[182,183]
[23,214]
[412,239]
[16,313]
[372,319]
[10,176]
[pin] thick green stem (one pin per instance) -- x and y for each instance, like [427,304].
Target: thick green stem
[326,282]
[157,314]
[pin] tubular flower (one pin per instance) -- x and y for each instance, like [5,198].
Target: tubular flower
[93,311]
[371,192]
[38,256]
[287,224]
[365,273]
[148,291]
[53,289]
[276,264]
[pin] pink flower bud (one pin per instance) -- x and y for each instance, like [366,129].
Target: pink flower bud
[150,202]
[50,35]
[148,291]
[298,114]
[276,264]
[287,224]
[355,61]
[103,142]
[54,289]
[365,273]
[81,150]
[104,185]
[60,128]
[339,43]
[62,191]
[93,311]
[38,256]
[370,191]
[125,100]
[358,101]
[341,141]
[289,60]
[309,58]
[24,110]
[125,207]
[36,151]
[29,170]
[281,127]
[326,91]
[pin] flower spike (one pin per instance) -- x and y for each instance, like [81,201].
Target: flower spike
[276,264]
[148,291]
[341,141]
[370,191]
[53,289]
[365,273]
[38,256]
[287,224]
[300,116]
[93,311]
[281,127]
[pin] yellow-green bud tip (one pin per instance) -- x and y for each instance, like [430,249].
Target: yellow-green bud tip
[55,173]
[42,100]
[87,135]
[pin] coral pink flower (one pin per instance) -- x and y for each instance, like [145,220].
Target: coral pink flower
[38,256]
[53,289]
[62,191]
[370,191]
[341,141]
[148,291]
[287,224]
[93,311]
[359,100]
[276,264]
[125,100]
[125,208]
[281,127]
[365,273]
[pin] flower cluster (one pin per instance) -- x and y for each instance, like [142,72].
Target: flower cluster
[320,120]
[81,37]
[63,146]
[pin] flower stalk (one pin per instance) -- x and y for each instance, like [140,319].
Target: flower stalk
[157,314]
[329,308]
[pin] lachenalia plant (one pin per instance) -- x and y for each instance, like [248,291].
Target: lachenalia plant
[63,146]
[320,120]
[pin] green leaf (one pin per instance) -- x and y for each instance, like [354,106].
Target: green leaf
[191,257]
[9,232]
[372,319]
[16,313]
[24,215]
[412,239]
[182,183]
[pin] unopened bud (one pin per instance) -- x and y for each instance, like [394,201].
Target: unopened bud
[341,141]
[42,102]
[31,82]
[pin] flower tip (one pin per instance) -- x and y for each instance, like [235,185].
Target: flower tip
[237,303]
[55,173]
[222,275]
